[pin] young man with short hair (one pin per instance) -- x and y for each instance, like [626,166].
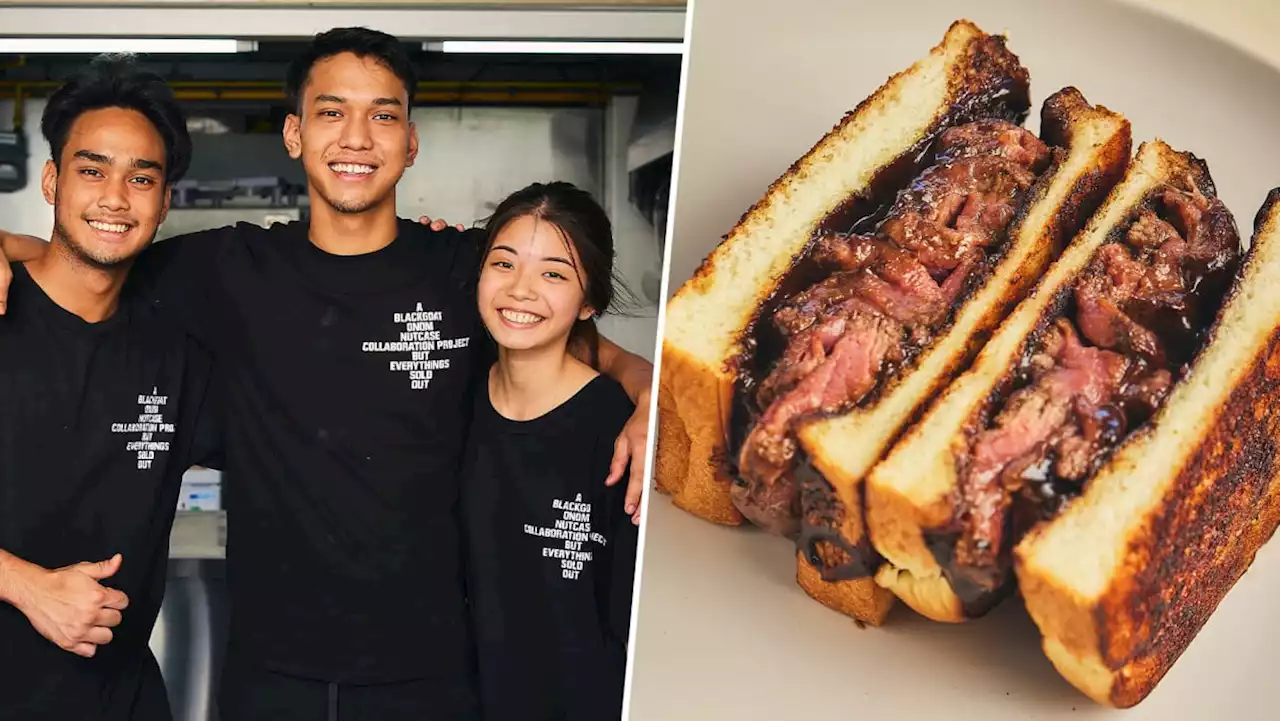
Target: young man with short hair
[102,398]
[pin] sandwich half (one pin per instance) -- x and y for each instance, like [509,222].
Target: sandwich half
[897,357]
[1018,434]
[1122,581]
[708,323]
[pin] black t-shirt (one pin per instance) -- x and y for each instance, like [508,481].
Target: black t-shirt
[551,558]
[98,423]
[347,381]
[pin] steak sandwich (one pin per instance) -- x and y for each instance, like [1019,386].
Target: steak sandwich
[1112,450]
[1086,361]
[1123,580]
[913,292]
[865,279]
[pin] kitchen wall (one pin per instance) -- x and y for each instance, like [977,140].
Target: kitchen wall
[26,211]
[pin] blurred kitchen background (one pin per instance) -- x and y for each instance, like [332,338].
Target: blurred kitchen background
[509,93]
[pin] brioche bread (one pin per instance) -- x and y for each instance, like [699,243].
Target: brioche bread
[1124,579]
[912,490]
[968,75]
[843,448]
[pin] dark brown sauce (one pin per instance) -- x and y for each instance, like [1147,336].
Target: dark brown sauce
[822,514]
[975,599]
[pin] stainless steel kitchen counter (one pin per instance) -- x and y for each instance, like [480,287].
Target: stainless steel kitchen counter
[189,640]
[199,535]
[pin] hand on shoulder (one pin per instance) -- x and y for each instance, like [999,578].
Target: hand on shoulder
[438,224]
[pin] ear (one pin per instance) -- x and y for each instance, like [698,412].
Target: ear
[49,182]
[293,135]
[586,313]
[413,144]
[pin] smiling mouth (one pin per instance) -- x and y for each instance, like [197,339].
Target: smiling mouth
[352,168]
[520,318]
[114,228]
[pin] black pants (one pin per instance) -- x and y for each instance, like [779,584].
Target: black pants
[249,693]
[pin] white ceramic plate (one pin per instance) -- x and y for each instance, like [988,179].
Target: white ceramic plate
[723,631]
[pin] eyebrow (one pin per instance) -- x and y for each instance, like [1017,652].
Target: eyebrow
[93,157]
[342,101]
[550,258]
[137,164]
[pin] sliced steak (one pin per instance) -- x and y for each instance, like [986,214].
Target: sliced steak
[806,351]
[1038,419]
[955,208]
[849,370]
[846,252]
[1143,305]
[800,312]
[993,137]
[886,296]
[1106,287]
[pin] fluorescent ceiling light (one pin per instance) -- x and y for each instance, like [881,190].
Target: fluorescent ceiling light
[569,48]
[93,46]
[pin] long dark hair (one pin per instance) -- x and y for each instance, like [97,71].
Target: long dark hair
[584,227]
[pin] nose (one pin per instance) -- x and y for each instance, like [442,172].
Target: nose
[522,286]
[355,134]
[115,195]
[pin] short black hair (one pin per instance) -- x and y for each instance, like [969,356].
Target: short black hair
[386,49]
[116,81]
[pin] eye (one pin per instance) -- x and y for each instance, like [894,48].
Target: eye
[555,274]
[330,113]
[384,116]
[504,264]
[90,172]
[143,181]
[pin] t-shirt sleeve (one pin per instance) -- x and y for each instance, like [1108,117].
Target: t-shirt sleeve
[177,274]
[616,582]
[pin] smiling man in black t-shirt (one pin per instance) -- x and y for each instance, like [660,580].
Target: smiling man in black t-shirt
[348,346]
[101,399]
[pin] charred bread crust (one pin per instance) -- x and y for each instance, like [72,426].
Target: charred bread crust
[969,75]
[911,493]
[843,449]
[1171,522]
[865,602]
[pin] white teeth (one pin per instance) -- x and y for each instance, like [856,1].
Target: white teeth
[352,168]
[108,227]
[518,317]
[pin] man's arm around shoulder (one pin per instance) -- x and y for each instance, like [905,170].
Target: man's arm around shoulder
[16,248]
[635,375]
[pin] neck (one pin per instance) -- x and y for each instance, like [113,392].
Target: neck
[89,292]
[529,383]
[352,233]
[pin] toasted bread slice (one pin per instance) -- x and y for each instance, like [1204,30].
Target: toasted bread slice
[968,75]
[911,491]
[1124,579]
[844,448]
